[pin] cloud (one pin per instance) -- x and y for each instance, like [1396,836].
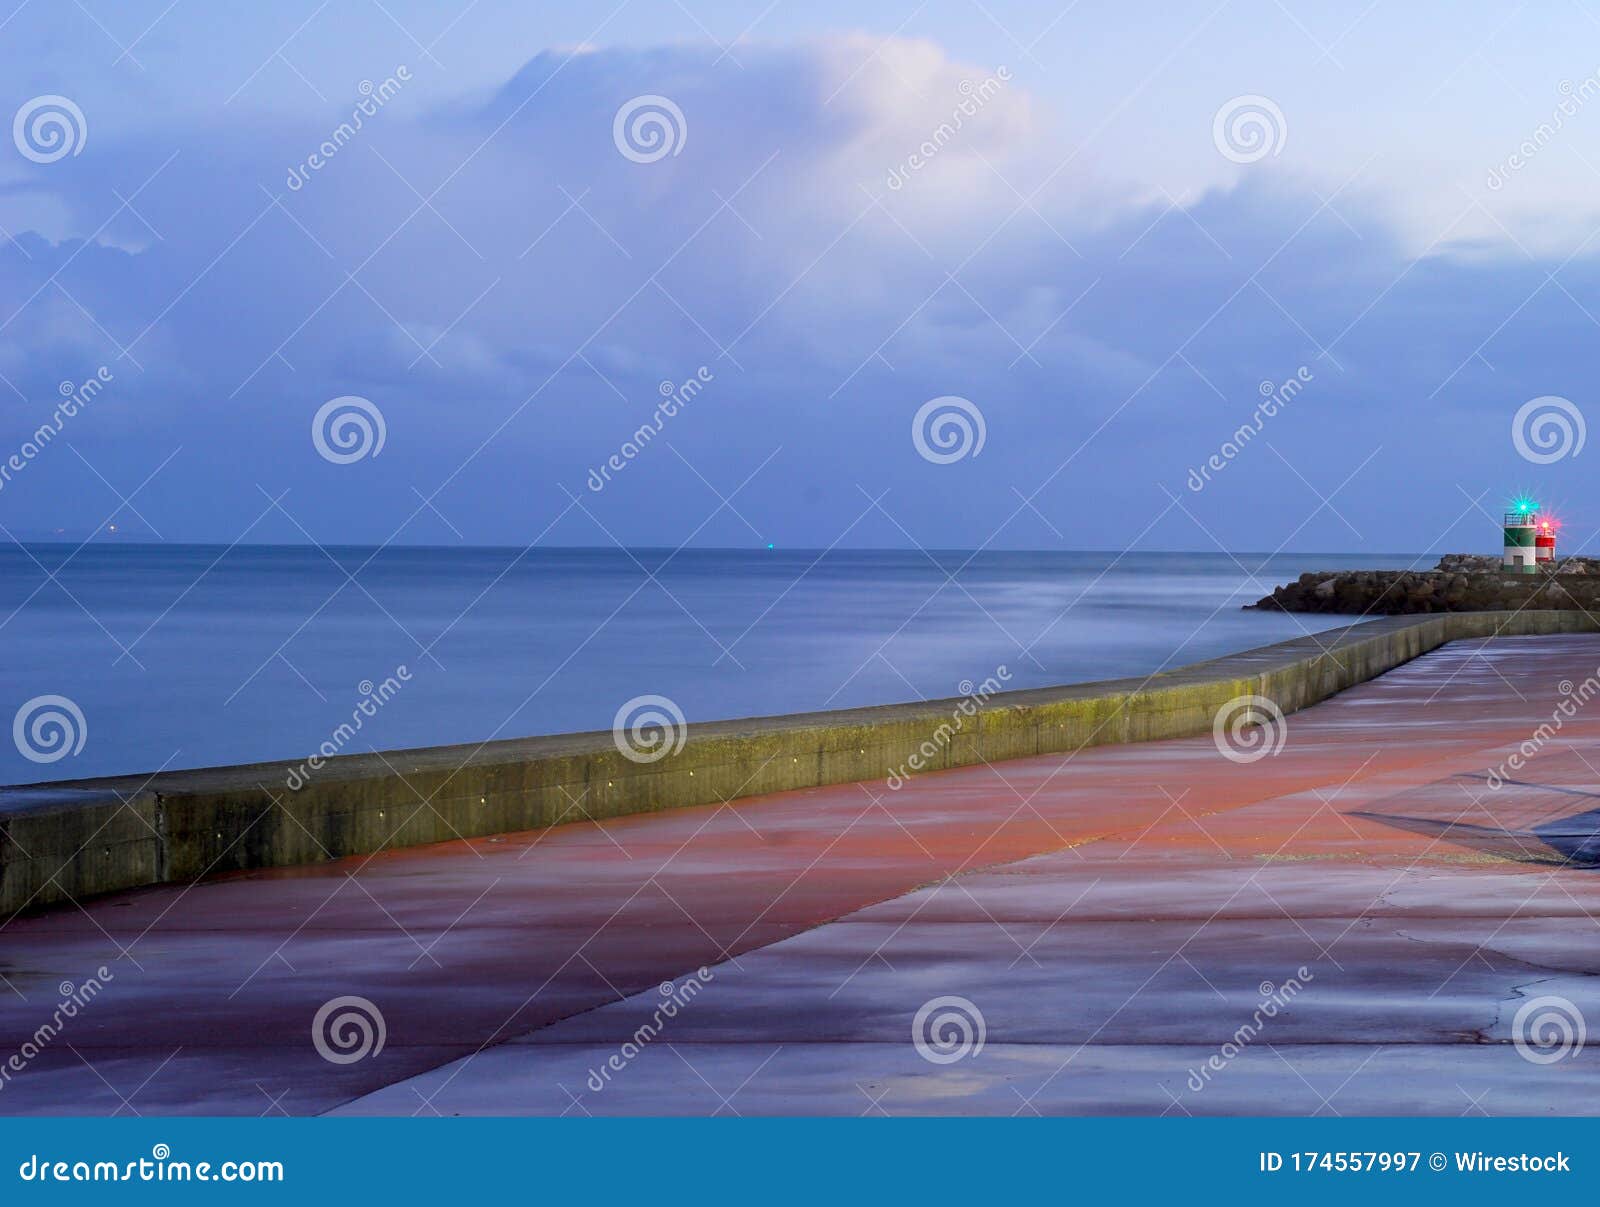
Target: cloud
[850,228]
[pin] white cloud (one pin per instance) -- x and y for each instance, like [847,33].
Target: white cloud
[772,249]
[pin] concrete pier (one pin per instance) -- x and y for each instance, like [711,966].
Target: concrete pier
[1114,917]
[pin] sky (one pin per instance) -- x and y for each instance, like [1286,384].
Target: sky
[951,274]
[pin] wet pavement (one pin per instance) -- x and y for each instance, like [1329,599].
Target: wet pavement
[1356,924]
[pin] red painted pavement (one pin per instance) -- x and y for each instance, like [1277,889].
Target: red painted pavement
[1113,916]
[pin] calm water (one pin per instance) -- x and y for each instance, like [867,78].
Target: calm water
[184,656]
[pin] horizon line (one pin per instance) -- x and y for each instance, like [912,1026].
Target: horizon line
[755,549]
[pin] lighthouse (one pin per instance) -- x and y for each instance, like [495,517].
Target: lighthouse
[1521,549]
[1544,544]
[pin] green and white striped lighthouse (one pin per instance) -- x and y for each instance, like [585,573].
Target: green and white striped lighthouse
[1521,529]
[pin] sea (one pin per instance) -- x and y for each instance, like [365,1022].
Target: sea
[128,659]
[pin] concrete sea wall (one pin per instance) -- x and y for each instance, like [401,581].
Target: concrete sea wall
[64,841]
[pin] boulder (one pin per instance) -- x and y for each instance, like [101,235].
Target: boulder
[1462,583]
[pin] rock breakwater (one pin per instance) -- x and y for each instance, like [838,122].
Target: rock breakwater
[1461,582]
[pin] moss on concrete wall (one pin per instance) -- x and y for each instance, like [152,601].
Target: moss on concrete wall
[64,841]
